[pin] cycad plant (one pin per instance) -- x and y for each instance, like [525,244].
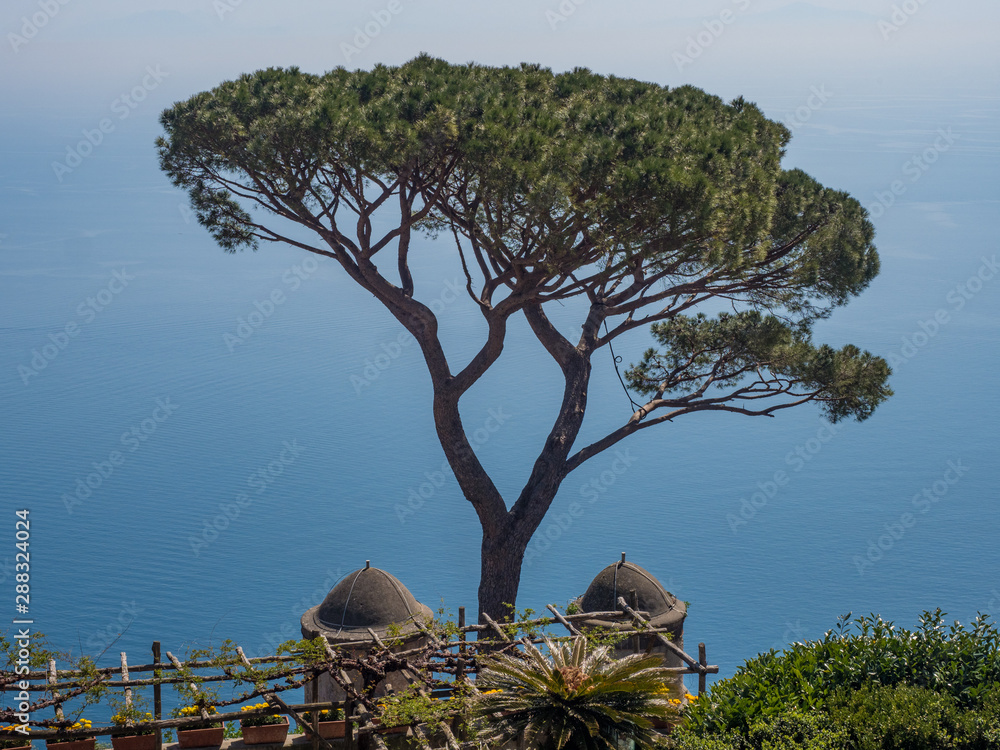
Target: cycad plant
[579,698]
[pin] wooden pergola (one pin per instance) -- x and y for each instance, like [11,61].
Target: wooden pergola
[448,650]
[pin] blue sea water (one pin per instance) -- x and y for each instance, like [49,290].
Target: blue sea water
[162,401]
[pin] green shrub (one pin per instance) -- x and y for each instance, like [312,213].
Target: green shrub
[876,717]
[961,663]
[905,717]
[900,717]
[786,731]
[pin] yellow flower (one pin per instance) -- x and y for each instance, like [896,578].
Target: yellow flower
[690,697]
[195,710]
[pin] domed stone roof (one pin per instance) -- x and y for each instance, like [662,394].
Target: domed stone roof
[620,579]
[365,598]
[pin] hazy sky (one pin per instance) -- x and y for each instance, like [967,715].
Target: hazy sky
[58,55]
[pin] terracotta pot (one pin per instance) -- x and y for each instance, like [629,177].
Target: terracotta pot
[390,730]
[134,742]
[268,734]
[21,747]
[87,744]
[331,730]
[210,737]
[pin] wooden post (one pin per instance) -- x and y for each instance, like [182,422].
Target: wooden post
[157,697]
[460,671]
[128,690]
[348,724]
[633,598]
[55,693]
[702,674]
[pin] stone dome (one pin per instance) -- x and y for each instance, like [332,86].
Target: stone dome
[365,598]
[620,579]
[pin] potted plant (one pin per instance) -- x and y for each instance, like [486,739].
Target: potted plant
[74,743]
[132,728]
[332,724]
[263,729]
[200,734]
[12,739]
[397,712]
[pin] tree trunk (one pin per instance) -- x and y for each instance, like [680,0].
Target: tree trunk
[500,575]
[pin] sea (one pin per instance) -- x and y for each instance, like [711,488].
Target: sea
[206,443]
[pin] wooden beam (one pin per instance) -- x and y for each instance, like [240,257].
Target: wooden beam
[499,631]
[562,620]
[665,641]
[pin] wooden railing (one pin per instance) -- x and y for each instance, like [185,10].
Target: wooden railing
[269,677]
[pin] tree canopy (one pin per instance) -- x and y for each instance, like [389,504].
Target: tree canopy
[650,204]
